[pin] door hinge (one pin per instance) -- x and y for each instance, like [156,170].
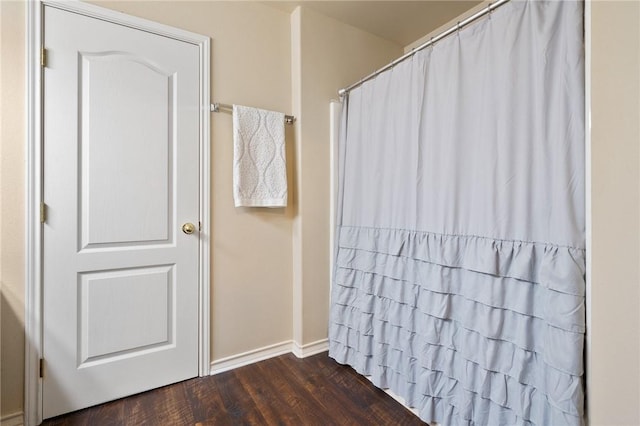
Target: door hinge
[43,212]
[199,226]
[41,367]
[43,57]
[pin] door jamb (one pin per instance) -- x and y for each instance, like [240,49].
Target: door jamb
[34,186]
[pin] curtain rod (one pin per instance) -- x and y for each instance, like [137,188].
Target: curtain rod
[215,107]
[461,24]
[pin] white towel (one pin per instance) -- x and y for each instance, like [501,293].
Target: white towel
[259,165]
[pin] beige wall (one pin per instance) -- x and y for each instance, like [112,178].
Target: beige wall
[329,55]
[12,134]
[614,362]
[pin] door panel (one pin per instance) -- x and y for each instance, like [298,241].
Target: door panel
[121,146]
[103,337]
[142,144]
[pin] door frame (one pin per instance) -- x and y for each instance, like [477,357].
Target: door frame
[34,186]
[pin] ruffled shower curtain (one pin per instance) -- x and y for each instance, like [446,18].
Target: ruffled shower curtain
[460,261]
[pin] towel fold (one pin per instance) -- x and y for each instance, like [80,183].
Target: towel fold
[259,164]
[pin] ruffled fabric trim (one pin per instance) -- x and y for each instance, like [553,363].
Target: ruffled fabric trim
[524,373]
[451,401]
[449,315]
[467,330]
[557,268]
[561,310]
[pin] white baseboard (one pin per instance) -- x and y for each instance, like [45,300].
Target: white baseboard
[260,354]
[310,348]
[14,419]
[246,358]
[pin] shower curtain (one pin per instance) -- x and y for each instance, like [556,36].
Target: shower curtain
[460,257]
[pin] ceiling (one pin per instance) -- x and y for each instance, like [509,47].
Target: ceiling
[402,22]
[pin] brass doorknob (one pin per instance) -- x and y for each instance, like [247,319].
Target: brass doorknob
[188,228]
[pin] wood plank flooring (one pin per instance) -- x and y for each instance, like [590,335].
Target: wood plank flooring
[279,391]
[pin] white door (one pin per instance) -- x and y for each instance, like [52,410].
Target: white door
[121,177]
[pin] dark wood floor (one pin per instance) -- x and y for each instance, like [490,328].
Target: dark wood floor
[279,391]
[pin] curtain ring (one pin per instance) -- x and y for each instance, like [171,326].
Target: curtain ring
[458,26]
